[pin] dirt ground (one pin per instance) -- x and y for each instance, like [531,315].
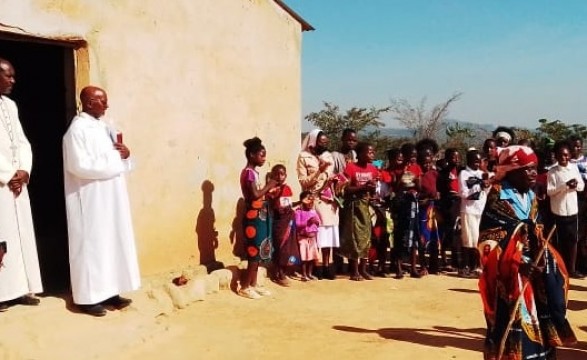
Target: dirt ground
[436,317]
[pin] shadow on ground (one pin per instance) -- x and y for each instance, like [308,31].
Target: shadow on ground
[438,336]
[466,291]
[578,351]
[443,337]
[577,305]
[578,287]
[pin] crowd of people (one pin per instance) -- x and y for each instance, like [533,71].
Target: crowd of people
[511,216]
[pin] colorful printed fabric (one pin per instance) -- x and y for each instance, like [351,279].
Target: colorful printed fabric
[382,228]
[540,314]
[257,221]
[429,232]
[287,252]
[257,225]
[407,226]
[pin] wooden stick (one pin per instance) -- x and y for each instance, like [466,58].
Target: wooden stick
[515,309]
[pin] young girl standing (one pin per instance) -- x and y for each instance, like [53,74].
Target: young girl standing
[427,204]
[307,223]
[356,220]
[257,220]
[284,239]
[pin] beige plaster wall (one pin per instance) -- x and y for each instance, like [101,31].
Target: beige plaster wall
[188,81]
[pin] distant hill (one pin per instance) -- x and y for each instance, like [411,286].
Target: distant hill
[482,130]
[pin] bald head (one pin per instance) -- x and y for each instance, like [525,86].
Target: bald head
[5,62]
[94,101]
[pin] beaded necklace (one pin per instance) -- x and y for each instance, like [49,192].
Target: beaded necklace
[7,125]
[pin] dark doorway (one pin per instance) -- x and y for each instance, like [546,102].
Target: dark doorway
[45,96]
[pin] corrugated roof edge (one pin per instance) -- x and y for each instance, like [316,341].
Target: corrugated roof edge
[305,25]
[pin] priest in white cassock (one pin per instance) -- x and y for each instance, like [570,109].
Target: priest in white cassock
[20,275]
[102,254]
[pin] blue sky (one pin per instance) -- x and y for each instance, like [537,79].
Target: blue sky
[514,61]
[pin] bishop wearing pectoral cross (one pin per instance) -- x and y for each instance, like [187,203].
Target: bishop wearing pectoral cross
[20,275]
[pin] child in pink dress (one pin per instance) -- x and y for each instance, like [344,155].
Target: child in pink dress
[307,223]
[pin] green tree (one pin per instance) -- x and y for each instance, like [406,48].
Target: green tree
[556,130]
[460,137]
[366,122]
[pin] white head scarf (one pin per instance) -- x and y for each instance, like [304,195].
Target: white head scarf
[310,139]
[503,135]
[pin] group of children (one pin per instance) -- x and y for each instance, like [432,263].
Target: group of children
[276,229]
[417,208]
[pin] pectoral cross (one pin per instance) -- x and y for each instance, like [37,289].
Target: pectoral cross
[7,124]
[14,150]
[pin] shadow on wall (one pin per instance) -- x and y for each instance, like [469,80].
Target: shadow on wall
[206,233]
[237,239]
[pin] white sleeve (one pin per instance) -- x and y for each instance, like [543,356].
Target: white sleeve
[580,182]
[84,163]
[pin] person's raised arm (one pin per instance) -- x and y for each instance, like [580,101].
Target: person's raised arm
[554,187]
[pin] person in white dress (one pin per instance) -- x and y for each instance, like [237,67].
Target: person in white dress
[102,254]
[20,275]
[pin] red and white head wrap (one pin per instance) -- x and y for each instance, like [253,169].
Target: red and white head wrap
[514,157]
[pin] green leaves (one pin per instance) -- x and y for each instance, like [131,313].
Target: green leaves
[366,122]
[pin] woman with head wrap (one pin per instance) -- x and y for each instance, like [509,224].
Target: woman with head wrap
[315,173]
[504,136]
[520,281]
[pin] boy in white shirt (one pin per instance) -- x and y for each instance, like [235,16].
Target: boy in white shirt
[579,159]
[473,187]
[564,180]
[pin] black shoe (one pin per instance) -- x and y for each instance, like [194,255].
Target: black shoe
[94,310]
[27,300]
[577,275]
[317,273]
[117,301]
[381,274]
[328,274]
[3,306]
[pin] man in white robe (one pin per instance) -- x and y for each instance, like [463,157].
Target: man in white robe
[20,275]
[102,254]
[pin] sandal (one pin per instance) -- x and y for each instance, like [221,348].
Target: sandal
[283,282]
